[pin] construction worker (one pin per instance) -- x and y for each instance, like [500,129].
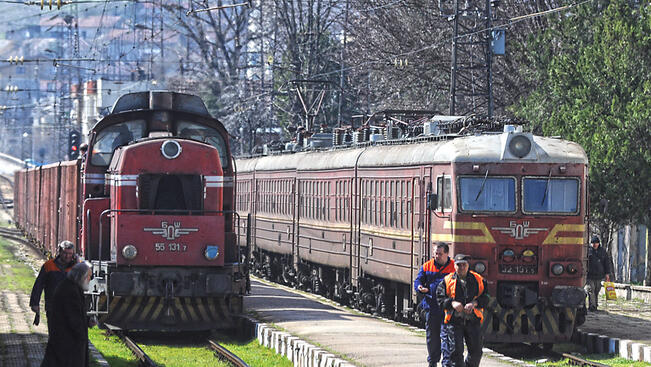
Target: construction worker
[462,296]
[429,277]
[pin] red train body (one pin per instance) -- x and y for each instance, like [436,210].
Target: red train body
[354,224]
[150,205]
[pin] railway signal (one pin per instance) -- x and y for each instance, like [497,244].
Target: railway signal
[74,139]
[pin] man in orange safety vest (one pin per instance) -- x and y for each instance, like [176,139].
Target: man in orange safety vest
[462,295]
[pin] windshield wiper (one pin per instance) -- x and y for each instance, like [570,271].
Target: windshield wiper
[549,178]
[481,189]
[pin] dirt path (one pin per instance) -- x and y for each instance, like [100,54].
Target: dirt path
[621,319]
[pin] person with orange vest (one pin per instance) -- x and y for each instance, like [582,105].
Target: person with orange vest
[462,296]
[429,277]
[51,274]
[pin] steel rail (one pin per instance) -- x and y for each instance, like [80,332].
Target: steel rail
[578,361]
[571,358]
[15,237]
[143,358]
[14,231]
[224,353]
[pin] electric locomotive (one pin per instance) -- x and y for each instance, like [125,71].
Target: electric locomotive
[357,221]
[153,197]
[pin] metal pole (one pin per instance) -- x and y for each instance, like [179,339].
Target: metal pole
[453,71]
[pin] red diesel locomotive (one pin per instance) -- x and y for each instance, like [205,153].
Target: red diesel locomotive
[149,204]
[356,223]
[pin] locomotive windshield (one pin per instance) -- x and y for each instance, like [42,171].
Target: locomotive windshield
[491,194]
[550,195]
[114,136]
[204,134]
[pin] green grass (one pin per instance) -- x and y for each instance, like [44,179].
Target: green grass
[606,359]
[18,276]
[115,353]
[253,353]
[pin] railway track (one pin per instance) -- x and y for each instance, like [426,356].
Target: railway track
[225,354]
[528,351]
[145,361]
[14,235]
[143,358]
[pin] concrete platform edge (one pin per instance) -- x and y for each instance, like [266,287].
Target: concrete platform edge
[97,355]
[299,352]
[624,348]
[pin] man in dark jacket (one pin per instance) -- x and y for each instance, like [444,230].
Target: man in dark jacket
[67,345]
[598,269]
[429,277]
[462,295]
[51,274]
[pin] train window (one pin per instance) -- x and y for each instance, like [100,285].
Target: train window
[204,134]
[550,195]
[113,137]
[444,192]
[487,194]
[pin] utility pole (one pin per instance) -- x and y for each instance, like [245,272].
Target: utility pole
[341,64]
[471,78]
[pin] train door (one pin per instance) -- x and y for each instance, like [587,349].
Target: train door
[356,191]
[412,224]
[296,215]
[355,225]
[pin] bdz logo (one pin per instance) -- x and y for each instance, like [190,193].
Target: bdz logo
[519,231]
[170,231]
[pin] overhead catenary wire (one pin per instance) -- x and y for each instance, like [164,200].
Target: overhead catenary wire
[508,23]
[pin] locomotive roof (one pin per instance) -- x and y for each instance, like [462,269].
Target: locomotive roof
[151,100]
[485,148]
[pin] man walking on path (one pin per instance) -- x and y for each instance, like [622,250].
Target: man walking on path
[51,274]
[429,277]
[462,295]
[67,344]
[598,268]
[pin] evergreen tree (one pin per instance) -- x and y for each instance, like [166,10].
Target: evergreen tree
[593,72]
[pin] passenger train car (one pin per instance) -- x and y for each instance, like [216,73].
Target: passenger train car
[150,204]
[356,223]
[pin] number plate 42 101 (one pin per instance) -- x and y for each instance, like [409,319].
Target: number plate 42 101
[170,247]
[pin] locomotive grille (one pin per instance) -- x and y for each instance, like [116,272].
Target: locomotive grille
[170,192]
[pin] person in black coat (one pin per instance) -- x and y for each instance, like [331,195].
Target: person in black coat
[598,269]
[67,345]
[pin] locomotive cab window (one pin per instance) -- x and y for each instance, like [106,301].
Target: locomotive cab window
[444,193]
[204,134]
[113,137]
[487,194]
[550,195]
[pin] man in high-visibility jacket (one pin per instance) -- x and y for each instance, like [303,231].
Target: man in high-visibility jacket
[429,277]
[462,295]
[49,277]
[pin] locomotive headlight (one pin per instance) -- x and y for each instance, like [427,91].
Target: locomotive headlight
[528,256]
[508,255]
[170,149]
[480,267]
[520,146]
[557,269]
[211,252]
[129,252]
